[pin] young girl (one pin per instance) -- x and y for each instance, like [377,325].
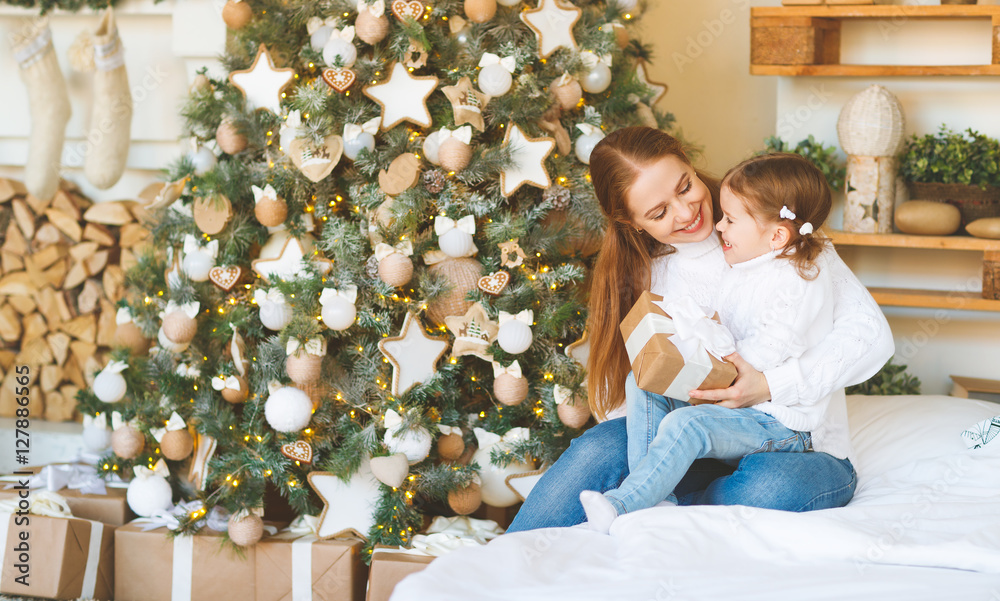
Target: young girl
[777,301]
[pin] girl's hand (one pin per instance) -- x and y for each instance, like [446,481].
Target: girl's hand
[749,388]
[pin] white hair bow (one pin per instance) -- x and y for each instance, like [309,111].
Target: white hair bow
[160,469]
[272,295]
[513,369]
[191,246]
[508,62]
[442,224]
[786,213]
[561,394]
[123,315]
[350,292]
[527,316]
[377,8]
[221,383]
[188,371]
[383,250]
[588,129]
[446,430]
[176,422]
[462,134]
[806,229]
[266,193]
[190,309]
[352,130]
[591,60]
[313,346]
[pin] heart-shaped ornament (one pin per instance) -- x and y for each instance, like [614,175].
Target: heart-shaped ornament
[402,9]
[391,470]
[225,277]
[298,451]
[402,174]
[316,163]
[339,79]
[494,283]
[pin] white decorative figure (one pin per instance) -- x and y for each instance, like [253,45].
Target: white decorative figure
[339,48]
[528,155]
[494,478]
[495,74]
[598,78]
[515,334]
[455,237]
[339,310]
[585,144]
[275,313]
[288,409]
[149,492]
[413,355]
[359,137]
[403,97]
[109,385]
[198,259]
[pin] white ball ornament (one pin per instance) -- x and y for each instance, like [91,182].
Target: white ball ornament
[196,266]
[338,311]
[109,385]
[149,492]
[514,335]
[431,146]
[354,146]
[456,243]
[415,443]
[597,79]
[585,144]
[203,160]
[274,312]
[495,80]
[320,37]
[96,434]
[288,409]
[629,5]
[493,477]
[339,49]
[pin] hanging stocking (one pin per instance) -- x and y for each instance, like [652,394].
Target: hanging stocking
[48,105]
[111,115]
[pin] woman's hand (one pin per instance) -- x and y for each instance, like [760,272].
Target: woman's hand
[749,388]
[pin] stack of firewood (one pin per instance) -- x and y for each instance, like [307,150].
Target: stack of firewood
[62,265]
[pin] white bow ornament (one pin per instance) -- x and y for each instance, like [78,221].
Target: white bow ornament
[588,129]
[564,79]
[313,346]
[221,383]
[352,130]
[508,62]
[561,394]
[117,421]
[188,371]
[191,245]
[304,525]
[527,316]
[514,369]
[591,60]
[115,367]
[99,421]
[488,439]
[443,225]
[392,420]
[346,34]
[383,250]
[123,316]
[446,430]
[289,130]
[272,295]
[176,422]
[266,193]
[190,309]
[314,23]
[350,292]
[376,9]
[462,134]
[160,469]
[55,477]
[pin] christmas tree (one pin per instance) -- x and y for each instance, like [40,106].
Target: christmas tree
[373,261]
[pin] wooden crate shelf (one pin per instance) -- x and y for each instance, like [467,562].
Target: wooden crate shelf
[805,40]
[989,300]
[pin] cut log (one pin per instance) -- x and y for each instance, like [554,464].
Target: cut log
[113,280]
[34,353]
[127,260]
[64,203]
[108,213]
[37,204]
[9,188]
[66,223]
[47,304]
[14,240]
[89,297]
[35,327]
[106,325]
[7,358]
[81,251]
[66,310]
[16,283]
[25,218]
[59,345]
[48,255]
[131,235]
[10,324]
[56,275]
[8,403]
[96,262]
[98,233]
[82,328]
[138,210]
[70,391]
[10,262]
[75,276]
[91,366]
[50,378]
[73,373]
[46,235]
[22,304]
[58,408]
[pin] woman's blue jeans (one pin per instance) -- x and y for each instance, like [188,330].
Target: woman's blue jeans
[598,460]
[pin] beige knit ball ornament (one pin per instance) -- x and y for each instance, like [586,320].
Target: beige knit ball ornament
[573,413]
[127,442]
[371,29]
[465,500]
[451,447]
[395,269]
[463,275]
[480,11]
[176,444]
[245,530]
[179,328]
[236,14]
[271,212]
[236,396]
[131,337]
[568,95]
[303,368]
[229,139]
[454,154]
[510,390]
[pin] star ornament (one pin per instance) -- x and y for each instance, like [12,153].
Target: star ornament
[552,22]
[288,264]
[467,103]
[658,89]
[403,97]
[347,506]
[262,84]
[528,155]
[413,355]
[474,332]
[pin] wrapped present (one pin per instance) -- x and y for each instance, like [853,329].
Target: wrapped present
[389,566]
[46,552]
[674,352]
[295,565]
[88,495]
[151,565]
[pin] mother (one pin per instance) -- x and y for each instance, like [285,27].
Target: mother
[660,212]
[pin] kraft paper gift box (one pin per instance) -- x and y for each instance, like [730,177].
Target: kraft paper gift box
[290,567]
[658,364]
[110,508]
[152,566]
[67,557]
[389,566]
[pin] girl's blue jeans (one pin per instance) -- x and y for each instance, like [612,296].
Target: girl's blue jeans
[599,460]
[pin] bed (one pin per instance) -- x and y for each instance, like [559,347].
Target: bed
[924,524]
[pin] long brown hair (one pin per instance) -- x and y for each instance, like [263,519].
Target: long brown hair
[622,269]
[768,182]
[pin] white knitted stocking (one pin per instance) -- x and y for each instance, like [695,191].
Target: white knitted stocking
[111,114]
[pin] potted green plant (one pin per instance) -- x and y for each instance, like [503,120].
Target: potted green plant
[960,168]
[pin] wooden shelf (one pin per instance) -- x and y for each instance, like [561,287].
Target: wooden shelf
[805,40]
[935,299]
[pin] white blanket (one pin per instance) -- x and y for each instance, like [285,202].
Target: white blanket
[927,526]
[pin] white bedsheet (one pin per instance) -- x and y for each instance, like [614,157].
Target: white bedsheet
[923,528]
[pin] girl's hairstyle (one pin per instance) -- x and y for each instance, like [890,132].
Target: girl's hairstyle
[768,182]
[622,269]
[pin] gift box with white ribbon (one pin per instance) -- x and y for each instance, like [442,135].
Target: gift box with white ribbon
[89,496]
[676,353]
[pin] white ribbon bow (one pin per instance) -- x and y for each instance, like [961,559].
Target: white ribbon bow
[346,34]
[160,469]
[188,371]
[591,60]
[513,369]
[272,295]
[350,292]
[266,193]
[191,245]
[377,8]
[383,250]
[695,328]
[488,439]
[221,383]
[41,502]
[462,134]
[289,130]
[392,420]
[352,130]
[806,229]
[446,430]
[99,421]
[118,422]
[442,224]
[313,346]
[786,213]
[527,316]
[314,23]
[176,422]
[190,309]
[304,525]
[508,62]
[236,346]
[564,79]
[55,477]
[167,518]
[274,386]
[588,129]
[561,394]
[115,367]
[123,315]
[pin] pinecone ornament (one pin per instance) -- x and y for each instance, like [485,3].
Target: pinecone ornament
[559,196]
[433,181]
[371,267]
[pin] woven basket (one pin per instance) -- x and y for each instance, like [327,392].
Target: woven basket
[871,123]
[972,201]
